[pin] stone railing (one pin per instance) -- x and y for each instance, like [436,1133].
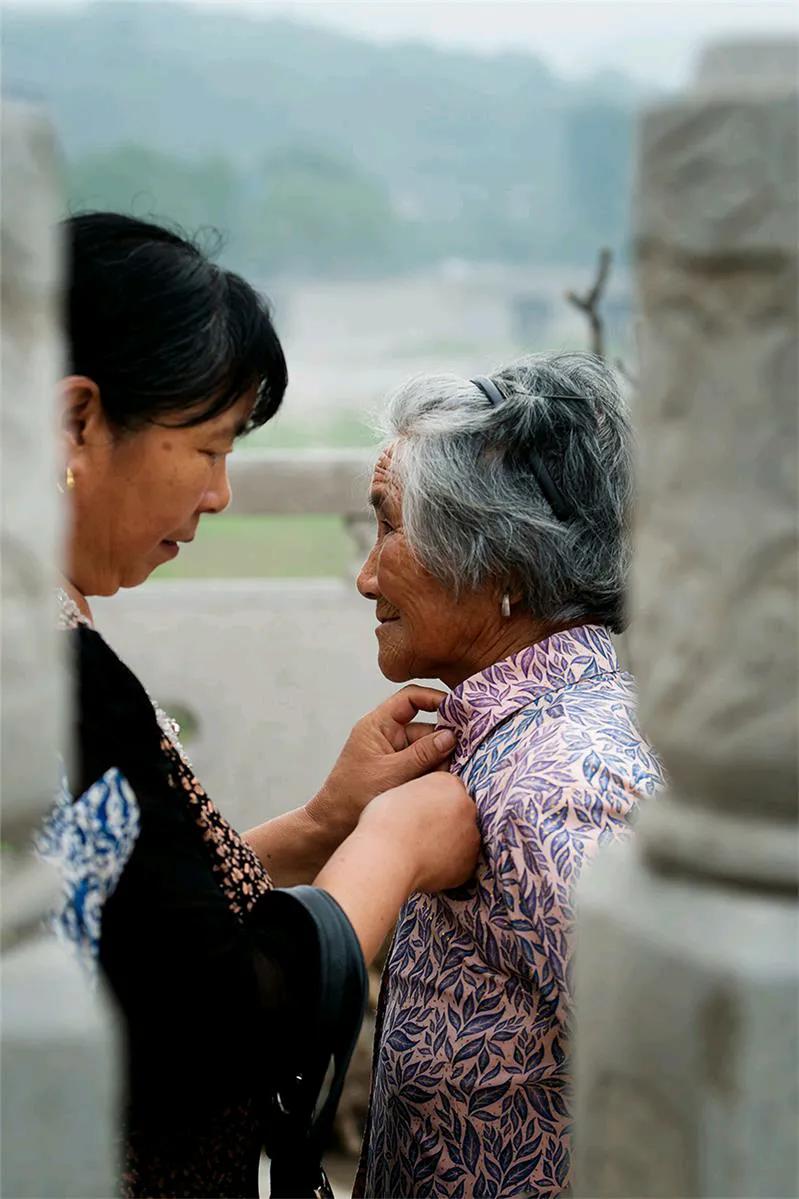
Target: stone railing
[300,483]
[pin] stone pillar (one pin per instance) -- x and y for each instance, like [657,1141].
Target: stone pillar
[686,1057]
[59,1086]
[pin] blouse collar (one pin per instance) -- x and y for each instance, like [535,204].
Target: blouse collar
[476,706]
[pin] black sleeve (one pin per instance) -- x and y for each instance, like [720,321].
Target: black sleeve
[216,1008]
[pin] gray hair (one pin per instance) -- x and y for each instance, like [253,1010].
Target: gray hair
[472,509]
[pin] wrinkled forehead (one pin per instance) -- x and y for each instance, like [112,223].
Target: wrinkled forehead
[381,475]
[385,486]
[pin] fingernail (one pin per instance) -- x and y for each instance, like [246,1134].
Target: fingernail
[444,741]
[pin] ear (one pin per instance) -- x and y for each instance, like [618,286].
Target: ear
[82,417]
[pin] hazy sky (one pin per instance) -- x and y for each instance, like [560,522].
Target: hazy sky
[654,40]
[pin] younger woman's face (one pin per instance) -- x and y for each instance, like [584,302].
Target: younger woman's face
[139,495]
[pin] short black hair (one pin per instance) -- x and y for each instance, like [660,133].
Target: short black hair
[161,329]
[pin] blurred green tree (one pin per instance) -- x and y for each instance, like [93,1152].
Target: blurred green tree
[145,183]
[315,213]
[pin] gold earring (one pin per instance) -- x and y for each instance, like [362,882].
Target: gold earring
[70,479]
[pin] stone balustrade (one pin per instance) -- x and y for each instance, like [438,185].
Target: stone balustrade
[307,483]
[300,482]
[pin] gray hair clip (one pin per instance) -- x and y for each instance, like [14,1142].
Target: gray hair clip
[543,478]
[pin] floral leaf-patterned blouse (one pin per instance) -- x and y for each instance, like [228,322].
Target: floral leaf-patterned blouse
[217,975]
[470,1087]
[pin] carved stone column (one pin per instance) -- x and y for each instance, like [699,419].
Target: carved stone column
[59,1082]
[688,939]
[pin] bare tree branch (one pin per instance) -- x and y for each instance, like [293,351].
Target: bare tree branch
[590,302]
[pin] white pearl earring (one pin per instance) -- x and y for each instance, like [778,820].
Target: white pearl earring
[505,607]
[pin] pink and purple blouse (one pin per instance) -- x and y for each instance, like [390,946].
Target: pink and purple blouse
[470,1094]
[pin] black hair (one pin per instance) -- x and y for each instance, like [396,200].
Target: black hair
[162,330]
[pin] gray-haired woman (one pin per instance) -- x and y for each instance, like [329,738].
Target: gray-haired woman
[499,567]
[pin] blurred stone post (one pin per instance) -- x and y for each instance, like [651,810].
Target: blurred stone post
[59,1087]
[687,1003]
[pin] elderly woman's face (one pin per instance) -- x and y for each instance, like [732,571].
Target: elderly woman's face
[138,495]
[422,631]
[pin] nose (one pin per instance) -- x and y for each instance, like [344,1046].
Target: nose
[218,494]
[367,577]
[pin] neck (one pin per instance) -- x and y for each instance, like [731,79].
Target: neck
[77,597]
[494,646]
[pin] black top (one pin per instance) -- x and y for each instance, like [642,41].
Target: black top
[220,979]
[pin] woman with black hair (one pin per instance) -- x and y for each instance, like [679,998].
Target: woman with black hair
[240,985]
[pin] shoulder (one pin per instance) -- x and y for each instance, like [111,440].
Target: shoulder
[603,748]
[580,729]
[93,658]
[104,679]
[114,723]
[577,755]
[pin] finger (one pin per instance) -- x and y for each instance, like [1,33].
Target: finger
[403,706]
[419,728]
[424,755]
[400,736]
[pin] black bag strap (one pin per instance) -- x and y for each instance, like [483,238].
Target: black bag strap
[304,1102]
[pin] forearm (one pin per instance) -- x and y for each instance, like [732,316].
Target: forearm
[293,847]
[370,880]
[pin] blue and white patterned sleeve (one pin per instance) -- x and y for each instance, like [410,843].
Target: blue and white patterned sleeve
[89,840]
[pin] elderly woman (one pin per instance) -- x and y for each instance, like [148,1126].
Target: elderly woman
[499,567]
[235,995]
